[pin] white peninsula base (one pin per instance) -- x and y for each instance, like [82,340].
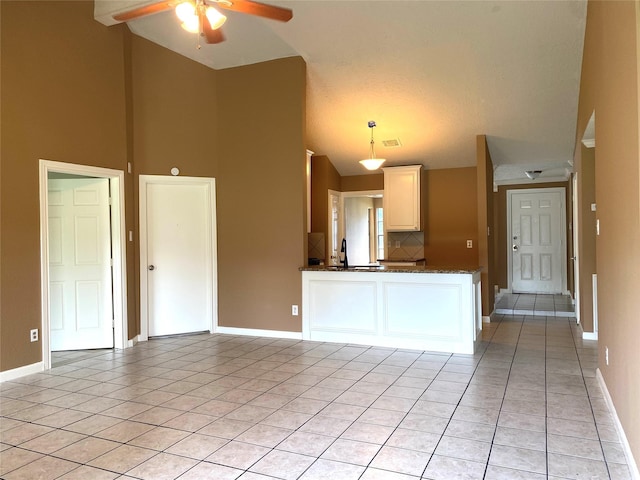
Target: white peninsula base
[423,311]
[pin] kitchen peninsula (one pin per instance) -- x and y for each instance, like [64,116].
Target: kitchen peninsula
[414,307]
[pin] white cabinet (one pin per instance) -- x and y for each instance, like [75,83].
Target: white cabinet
[439,312]
[402,198]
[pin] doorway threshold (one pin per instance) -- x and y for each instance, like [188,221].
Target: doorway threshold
[537,305]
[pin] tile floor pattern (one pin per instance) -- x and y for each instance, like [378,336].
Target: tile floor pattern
[532,304]
[526,406]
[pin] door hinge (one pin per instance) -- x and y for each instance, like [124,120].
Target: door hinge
[113,323]
[111,262]
[110,201]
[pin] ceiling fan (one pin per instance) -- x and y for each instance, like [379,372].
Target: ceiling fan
[201,16]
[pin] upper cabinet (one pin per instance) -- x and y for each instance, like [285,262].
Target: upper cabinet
[402,198]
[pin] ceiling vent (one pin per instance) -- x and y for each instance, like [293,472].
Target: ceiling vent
[394,142]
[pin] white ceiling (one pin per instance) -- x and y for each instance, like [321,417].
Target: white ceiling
[433,74]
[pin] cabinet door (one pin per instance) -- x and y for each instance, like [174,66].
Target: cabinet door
[402,198]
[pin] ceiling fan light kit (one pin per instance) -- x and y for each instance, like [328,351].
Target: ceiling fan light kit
[199,16]
[372,163]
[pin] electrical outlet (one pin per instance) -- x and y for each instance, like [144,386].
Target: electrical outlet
[606,355]
[33,335]
[294,310]
[469,243]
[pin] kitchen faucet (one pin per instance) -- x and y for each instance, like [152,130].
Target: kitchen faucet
[343,249]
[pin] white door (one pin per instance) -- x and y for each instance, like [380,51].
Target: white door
[80,284]
[177,257]
[537,240]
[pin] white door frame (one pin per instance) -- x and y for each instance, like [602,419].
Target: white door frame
[576,245]
[330,232]
[118,245]
[563,233]
[144,299]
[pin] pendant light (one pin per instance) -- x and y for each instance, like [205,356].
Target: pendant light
[372,163]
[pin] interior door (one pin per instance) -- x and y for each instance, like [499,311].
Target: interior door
[80,283]
[178,270]
[537,240]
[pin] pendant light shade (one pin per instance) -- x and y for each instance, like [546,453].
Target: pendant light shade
[216,19]
[372,163]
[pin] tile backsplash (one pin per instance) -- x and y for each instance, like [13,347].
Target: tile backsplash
[411,245]
[316,245]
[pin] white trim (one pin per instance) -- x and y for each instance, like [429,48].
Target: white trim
[252,332]
[525,181]
[362,193]
[212,254]
[118,245]
[589,134]
[594,292]
[633,466]
[563,233]
[575,224]
[486,319]
[331,259]
[8,375]
[590,335]
[308,184]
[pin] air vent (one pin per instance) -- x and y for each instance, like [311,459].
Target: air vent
[394,142]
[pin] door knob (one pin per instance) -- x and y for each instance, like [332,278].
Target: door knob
[151,267]
[515,248]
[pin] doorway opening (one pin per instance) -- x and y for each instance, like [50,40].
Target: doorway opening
[101,298]
[363,226]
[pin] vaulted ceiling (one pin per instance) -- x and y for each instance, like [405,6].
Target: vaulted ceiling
[432,74]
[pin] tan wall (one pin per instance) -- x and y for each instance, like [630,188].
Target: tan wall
[586,168]
[450,217]
[53,110]
[324,177]
[609,85]
[261,194]
[486,223]
[174,124]
[359,183]
[84,93]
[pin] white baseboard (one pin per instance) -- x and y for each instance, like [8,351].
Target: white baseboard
[252,332]
[21,371]
[633,466]
[133,341]
[590,335]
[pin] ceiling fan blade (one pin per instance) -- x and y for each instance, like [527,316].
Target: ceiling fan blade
[257,8]
[210,35]
[146,10]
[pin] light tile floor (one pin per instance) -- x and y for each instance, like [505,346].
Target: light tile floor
[532,304]
[527,405]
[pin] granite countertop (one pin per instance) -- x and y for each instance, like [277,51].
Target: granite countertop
[391,269]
